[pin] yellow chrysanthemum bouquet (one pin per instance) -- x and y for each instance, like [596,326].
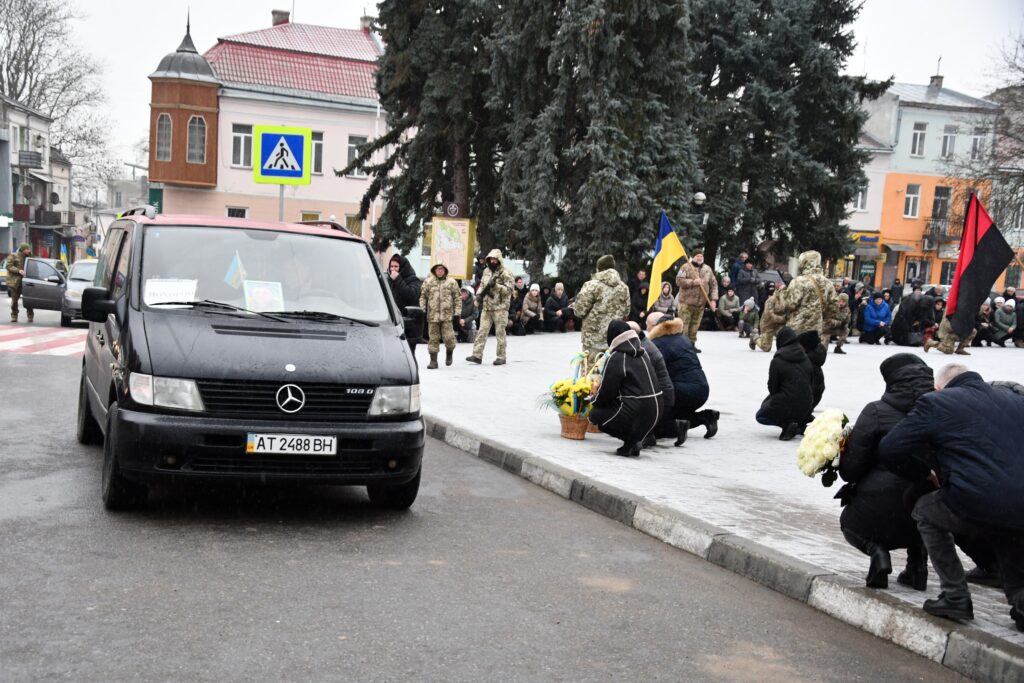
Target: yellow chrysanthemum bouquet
[571,396]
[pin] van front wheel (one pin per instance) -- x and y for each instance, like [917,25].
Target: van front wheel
[395,496]
[119,493]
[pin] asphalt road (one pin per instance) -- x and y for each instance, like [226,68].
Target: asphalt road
[486,578]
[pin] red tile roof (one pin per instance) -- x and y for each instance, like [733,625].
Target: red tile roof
[317,40]
[320,59]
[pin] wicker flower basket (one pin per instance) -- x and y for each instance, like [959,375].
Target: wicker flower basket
[573,426]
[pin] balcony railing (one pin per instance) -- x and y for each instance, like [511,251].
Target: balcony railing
[44,217]
[944,229]
[24,213]
[27,159]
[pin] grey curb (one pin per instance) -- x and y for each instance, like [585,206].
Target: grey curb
[966,650]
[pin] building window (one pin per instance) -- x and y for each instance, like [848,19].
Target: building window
[860,201]
[237,212]
[917,140]
[15,137]
[318,153]
[948,271]
[196,140]
[940,204]
[241,146]
[354,224]
[354,141]
[978,143]
[949,142]
[310,216]
[118,199]
[163,137]
[912,202]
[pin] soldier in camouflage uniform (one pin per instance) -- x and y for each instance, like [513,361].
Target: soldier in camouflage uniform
[838,326]
[810,299]
[15,271]
[440,298]
[494,298]
[603,298]
[697,288]
[773,319]
[948,341]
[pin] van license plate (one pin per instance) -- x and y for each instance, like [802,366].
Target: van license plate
[291,444]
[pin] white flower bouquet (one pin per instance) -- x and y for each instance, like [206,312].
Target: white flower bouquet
[822,446]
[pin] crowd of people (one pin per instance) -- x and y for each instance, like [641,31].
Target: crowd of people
[920,472]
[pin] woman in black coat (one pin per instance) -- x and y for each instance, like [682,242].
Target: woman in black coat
[627,404]
[405,286]
[816,353]
[790,395]
[638,305]
[912,318]
[877,503]
[556,310]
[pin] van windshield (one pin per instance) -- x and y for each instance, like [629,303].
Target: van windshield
[261,271]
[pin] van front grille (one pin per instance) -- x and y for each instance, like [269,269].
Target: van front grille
[258,399]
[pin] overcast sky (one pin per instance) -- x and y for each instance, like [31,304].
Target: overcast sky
[896,37]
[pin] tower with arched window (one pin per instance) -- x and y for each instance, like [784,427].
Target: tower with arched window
[184,111]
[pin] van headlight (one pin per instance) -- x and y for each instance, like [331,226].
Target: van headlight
[164,392]
[396,400]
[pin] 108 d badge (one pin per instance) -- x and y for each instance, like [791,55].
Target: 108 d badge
[290,444]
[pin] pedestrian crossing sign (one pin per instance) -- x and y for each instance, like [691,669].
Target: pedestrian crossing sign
[283,155]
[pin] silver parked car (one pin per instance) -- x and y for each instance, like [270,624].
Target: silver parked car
[81,276]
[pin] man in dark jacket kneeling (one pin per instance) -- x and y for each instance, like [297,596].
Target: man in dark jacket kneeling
[974,432]
[627,402]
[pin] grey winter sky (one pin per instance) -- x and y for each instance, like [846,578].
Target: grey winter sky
[896,37]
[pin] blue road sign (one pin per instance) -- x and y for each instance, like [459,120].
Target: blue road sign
[283,155]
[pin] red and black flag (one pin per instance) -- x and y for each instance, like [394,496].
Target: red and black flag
[984,254]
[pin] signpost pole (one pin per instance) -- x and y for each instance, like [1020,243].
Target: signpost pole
[280,203]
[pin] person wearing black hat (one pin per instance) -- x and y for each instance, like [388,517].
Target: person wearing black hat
[627,401]
[790,394]
[877,503]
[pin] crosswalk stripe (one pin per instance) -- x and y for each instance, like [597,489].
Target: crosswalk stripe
[48,341]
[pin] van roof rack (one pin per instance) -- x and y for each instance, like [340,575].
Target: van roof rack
[333,225]
[147,210]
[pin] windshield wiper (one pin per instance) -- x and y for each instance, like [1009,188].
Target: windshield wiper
[324,315]
[209,303]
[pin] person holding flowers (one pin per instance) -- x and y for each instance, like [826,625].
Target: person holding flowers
[627,402]
[876,502]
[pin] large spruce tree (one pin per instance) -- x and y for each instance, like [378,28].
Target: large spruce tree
[598,102]
[441,145]
[780,122]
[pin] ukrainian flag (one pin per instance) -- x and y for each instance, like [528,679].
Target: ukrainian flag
[667,250]
[236,272]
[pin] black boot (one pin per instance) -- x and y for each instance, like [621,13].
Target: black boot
[711,423]
[682,430]
[628,449]
[650,441]
[880,567]
[789,431]
[433,362]
[449,356]
[839,350]
[960,609]
[916,574]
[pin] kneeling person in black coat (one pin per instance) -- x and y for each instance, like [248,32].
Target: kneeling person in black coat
[790,394]
[877,502]
[816,353]
[627,402]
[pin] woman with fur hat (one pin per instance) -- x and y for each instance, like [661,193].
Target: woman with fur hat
[627,401]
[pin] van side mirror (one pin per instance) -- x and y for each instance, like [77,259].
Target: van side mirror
[96,304]
[413,319]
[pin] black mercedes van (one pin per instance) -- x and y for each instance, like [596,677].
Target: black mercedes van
[235,349]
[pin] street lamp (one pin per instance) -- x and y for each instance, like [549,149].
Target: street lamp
[698,202]
[699,198]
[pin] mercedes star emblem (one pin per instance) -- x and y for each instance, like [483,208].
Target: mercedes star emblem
[290,398]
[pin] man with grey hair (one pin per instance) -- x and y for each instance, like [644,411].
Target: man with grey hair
[965,438]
